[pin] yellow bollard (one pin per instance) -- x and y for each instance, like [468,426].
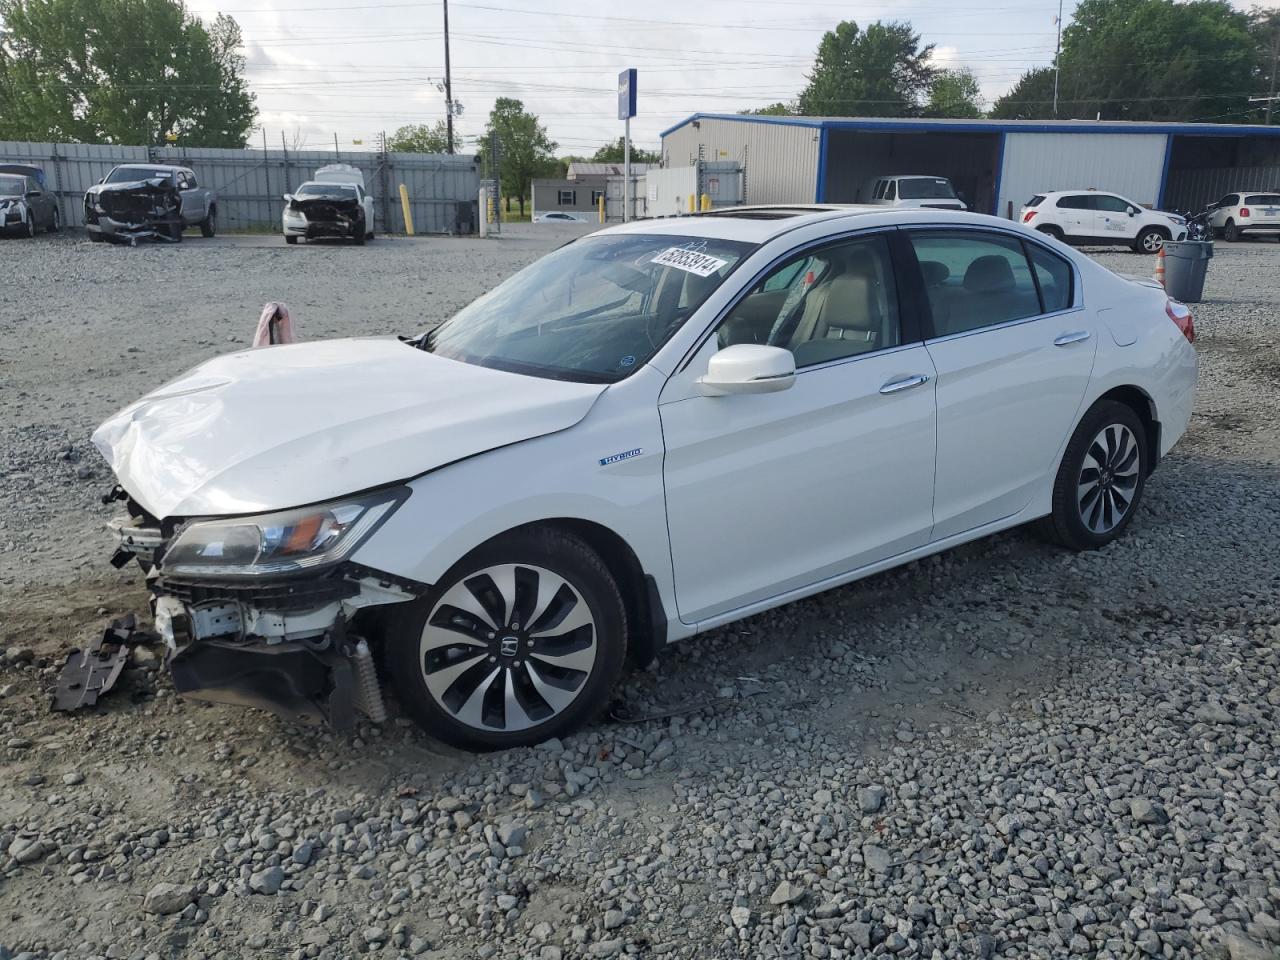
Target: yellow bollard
[408,215]
[706,202]
[602,208]
[693,203]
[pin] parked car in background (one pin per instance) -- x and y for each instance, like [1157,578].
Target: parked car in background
[1095,217]
[156,200]
[911,191]
[558,216]
[1253,212]
[333,204]
[658,429]
[25,206]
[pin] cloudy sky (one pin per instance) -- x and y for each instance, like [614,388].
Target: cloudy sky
[321,67]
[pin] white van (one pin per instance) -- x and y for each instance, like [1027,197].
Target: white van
[911,190]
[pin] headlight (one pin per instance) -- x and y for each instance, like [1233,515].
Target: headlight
[290,541]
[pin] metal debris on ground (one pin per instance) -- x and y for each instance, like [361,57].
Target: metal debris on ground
[94,670]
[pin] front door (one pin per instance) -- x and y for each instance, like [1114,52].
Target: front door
[1115,218]
[770,493]
[1014,350]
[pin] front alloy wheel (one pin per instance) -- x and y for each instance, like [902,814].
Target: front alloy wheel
[1151,240]
[520,642]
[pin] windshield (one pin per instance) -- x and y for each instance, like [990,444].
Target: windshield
[130,174]
[594,311]
[11,187]
[926,188]
[326,190]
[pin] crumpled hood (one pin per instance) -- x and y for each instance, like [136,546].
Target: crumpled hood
[156,185]
[290,425]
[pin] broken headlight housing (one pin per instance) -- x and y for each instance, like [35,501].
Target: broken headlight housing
[275,544]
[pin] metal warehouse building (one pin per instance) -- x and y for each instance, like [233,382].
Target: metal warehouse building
[996,165]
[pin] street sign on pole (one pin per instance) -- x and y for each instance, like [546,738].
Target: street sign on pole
[626,110]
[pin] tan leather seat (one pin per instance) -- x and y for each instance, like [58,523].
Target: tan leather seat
[843,316]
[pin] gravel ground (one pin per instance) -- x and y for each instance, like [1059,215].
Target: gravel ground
[1004,751]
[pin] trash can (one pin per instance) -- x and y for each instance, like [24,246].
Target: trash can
[1186,263]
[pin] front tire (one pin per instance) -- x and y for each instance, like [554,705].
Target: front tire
[1231,233]
[1101,478]
[1150,240]
[30,225]
[521,641]
[290,239]
[209,225]
[56,223]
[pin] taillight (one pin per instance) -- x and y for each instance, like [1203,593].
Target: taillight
[1029,216]
[1180,314]
[1244,211]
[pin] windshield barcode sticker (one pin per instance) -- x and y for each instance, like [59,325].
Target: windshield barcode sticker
[689,260]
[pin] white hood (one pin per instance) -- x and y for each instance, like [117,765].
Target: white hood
[290,425]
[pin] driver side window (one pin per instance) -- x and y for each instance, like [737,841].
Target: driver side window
[826,304]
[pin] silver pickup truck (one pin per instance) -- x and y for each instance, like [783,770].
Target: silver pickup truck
[156,200]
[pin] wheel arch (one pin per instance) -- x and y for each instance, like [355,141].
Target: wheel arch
[640,594]
[1141,403]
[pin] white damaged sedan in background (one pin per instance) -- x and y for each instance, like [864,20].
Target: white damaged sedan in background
[658,429]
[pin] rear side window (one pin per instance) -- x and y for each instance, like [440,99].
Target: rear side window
[1036,200]
[974,280]
[1266,199]
[879,194]
[1054,276]
[891,191]
[1079,201]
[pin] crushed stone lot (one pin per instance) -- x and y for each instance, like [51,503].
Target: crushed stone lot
[1005,751]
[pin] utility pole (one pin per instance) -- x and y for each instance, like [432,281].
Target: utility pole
[1275,56]
[1057,62]
[448,79]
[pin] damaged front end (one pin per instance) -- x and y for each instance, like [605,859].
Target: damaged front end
[267,610]
[316,216]
[129,212]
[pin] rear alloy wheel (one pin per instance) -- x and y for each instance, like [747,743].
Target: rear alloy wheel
[1150,240]
[521,641]
[1101,478]
[1231,233]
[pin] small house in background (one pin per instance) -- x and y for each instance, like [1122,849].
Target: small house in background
[566,200]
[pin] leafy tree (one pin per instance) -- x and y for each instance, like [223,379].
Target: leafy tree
[420,138]
[772,110]
[954,94]
[1264,27]
[1146,60]
[1030,99]
[878,72]
[121,71]
[613,152]
[526,150]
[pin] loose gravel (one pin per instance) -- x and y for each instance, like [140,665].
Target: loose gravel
[1003,751]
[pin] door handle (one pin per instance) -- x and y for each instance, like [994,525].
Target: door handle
[1066,339]
[906,383]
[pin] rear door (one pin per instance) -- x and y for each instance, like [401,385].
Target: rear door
[1075,215]
[1013,349]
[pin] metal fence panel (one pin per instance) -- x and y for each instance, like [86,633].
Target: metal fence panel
[1195,189]
[443,189]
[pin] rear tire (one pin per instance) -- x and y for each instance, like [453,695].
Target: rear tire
[1231,233]
[1150,240]
[1100,480]
[473,675]
[1050,230]
[209,225]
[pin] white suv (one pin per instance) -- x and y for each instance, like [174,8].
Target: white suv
[1238,213]
[1092,217]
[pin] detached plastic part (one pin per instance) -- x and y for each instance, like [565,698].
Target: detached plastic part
[93,671]
[275,326]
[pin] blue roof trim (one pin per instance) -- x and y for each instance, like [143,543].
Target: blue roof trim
[998,126]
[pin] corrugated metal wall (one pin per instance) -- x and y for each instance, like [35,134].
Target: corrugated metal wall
[779,161]
[1130,164]
[250,184]
[1195,189]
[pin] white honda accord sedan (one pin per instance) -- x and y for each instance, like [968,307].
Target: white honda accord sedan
[656,430]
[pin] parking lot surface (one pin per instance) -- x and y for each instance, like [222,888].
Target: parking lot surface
[1006,750]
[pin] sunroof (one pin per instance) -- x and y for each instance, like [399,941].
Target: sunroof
[764,213]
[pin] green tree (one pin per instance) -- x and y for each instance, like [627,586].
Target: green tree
[613,152]
[526,150]
[121,71]
[420,138]
[954,94]
[772,110]
[1146,60]
[1030,99]
[878,72]
[1264,27]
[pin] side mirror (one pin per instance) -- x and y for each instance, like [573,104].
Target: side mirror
[1133,212]
[102,181]
[33,193]
[288,198]
[748,368]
